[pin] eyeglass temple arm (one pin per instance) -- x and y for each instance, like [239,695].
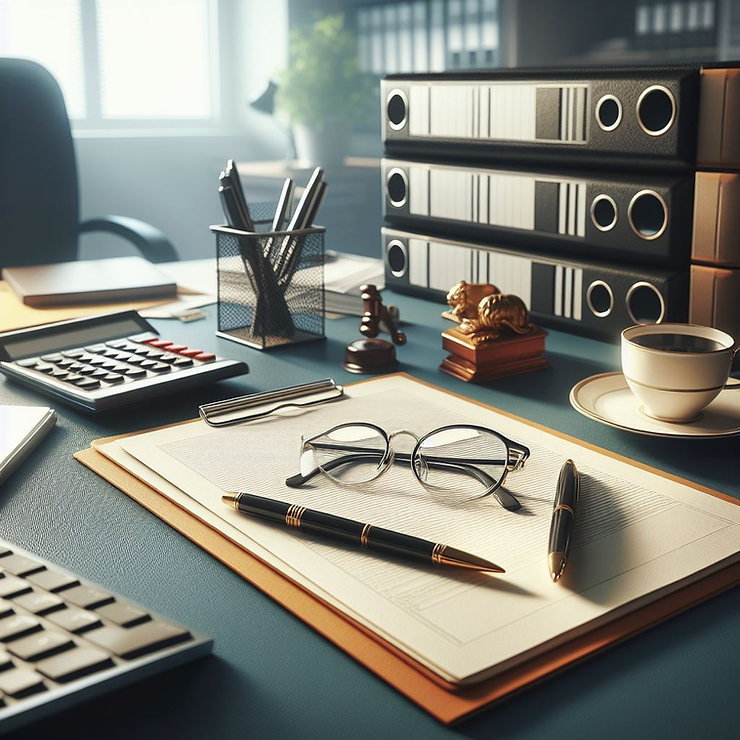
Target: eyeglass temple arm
[504,497]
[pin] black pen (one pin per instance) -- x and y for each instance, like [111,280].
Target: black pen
[356,533]
[563,519]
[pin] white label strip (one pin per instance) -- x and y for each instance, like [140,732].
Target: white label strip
[418,262]
[568,293]
[578,294]
[557,308]
[418,191]
[419,110]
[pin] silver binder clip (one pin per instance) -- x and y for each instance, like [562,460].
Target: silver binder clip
[257,405]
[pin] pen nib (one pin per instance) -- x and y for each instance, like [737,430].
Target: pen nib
[556,562]
[230,499]
[460,559]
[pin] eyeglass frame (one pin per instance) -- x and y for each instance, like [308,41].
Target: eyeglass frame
[504,497]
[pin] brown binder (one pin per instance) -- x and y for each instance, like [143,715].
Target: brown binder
[444,701]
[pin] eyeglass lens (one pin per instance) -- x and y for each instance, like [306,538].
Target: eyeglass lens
[464,462]
[350,454]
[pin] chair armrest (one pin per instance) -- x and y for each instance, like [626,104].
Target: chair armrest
[149,240]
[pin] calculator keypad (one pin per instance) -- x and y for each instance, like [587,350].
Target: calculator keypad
[117,362]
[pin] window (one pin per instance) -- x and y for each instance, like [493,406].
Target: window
[123,63]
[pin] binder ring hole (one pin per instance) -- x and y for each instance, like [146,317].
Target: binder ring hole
[397,187]
[648,214]
[656,110]
[608,112]
[600,299]
[604,212]
[397,109]
[645,304]
[397,258]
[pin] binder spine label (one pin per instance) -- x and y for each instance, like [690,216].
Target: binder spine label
[502,111]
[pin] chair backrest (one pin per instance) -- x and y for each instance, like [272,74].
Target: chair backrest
[39,200]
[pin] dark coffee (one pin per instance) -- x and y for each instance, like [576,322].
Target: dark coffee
[678,343]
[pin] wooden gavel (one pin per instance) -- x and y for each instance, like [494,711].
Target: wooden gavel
[378,317]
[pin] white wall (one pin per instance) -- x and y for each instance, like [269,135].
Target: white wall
[169,182]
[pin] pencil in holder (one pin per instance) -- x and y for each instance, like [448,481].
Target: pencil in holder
[270,285]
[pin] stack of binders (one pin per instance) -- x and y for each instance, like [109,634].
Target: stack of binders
[603,197]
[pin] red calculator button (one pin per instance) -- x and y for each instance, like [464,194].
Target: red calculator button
[159,343]
[177,347]
[205,357]
[190,352]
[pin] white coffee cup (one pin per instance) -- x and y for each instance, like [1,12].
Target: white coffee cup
[676,370]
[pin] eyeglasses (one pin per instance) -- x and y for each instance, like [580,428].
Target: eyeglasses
[459,462]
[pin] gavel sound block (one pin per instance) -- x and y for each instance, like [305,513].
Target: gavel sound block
[370,354]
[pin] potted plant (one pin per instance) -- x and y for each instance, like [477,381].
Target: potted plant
[323,91]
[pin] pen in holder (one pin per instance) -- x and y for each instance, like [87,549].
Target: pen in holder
[270,285]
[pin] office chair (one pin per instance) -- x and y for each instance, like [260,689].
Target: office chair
[39,198]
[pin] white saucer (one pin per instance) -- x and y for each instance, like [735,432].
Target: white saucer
[607,398]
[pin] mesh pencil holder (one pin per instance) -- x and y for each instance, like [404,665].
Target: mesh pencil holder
[270,285]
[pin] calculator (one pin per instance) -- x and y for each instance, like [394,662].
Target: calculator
[102,362]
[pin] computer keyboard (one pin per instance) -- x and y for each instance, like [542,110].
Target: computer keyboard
[64,639]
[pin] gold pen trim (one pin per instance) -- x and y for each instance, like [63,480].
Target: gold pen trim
[437,552]
[293,515]
[363,535]
[564,507]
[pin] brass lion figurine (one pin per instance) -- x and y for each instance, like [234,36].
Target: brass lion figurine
[496,313]
[464,298]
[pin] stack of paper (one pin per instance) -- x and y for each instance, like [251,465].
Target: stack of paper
[639,536]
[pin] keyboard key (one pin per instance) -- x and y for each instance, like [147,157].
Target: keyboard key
[109,366]
[17,626]
[182,362]
[21,682]
[6,609]
[41,645]
[5,661]
[75,367]
[168,358]
[95,348]
[59,374]
[89,384]
[177,348]
[139,640]
[73,664]
[135,360]
[74,353]
[75,620]
[87,597]
[55,357]
[44,368]
[53,580]
[65,364]
[135,373]
[74,379]
[113,378]
[20,565]
[99,373]
[117,343]
[147,336]
[205,357]
[160,367]
[87,370]
[39,602]
[149,364]
[13,586]
[127,615]
[191,352]
[109,352]
[98,361]
[30,362]
[160,343]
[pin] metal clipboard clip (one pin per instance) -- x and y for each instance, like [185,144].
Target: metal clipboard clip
[257,405]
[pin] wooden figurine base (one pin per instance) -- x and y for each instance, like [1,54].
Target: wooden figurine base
[496,359]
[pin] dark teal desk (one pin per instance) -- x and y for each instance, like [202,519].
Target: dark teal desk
[273,677]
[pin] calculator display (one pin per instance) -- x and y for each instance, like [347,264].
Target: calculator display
[64,337]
